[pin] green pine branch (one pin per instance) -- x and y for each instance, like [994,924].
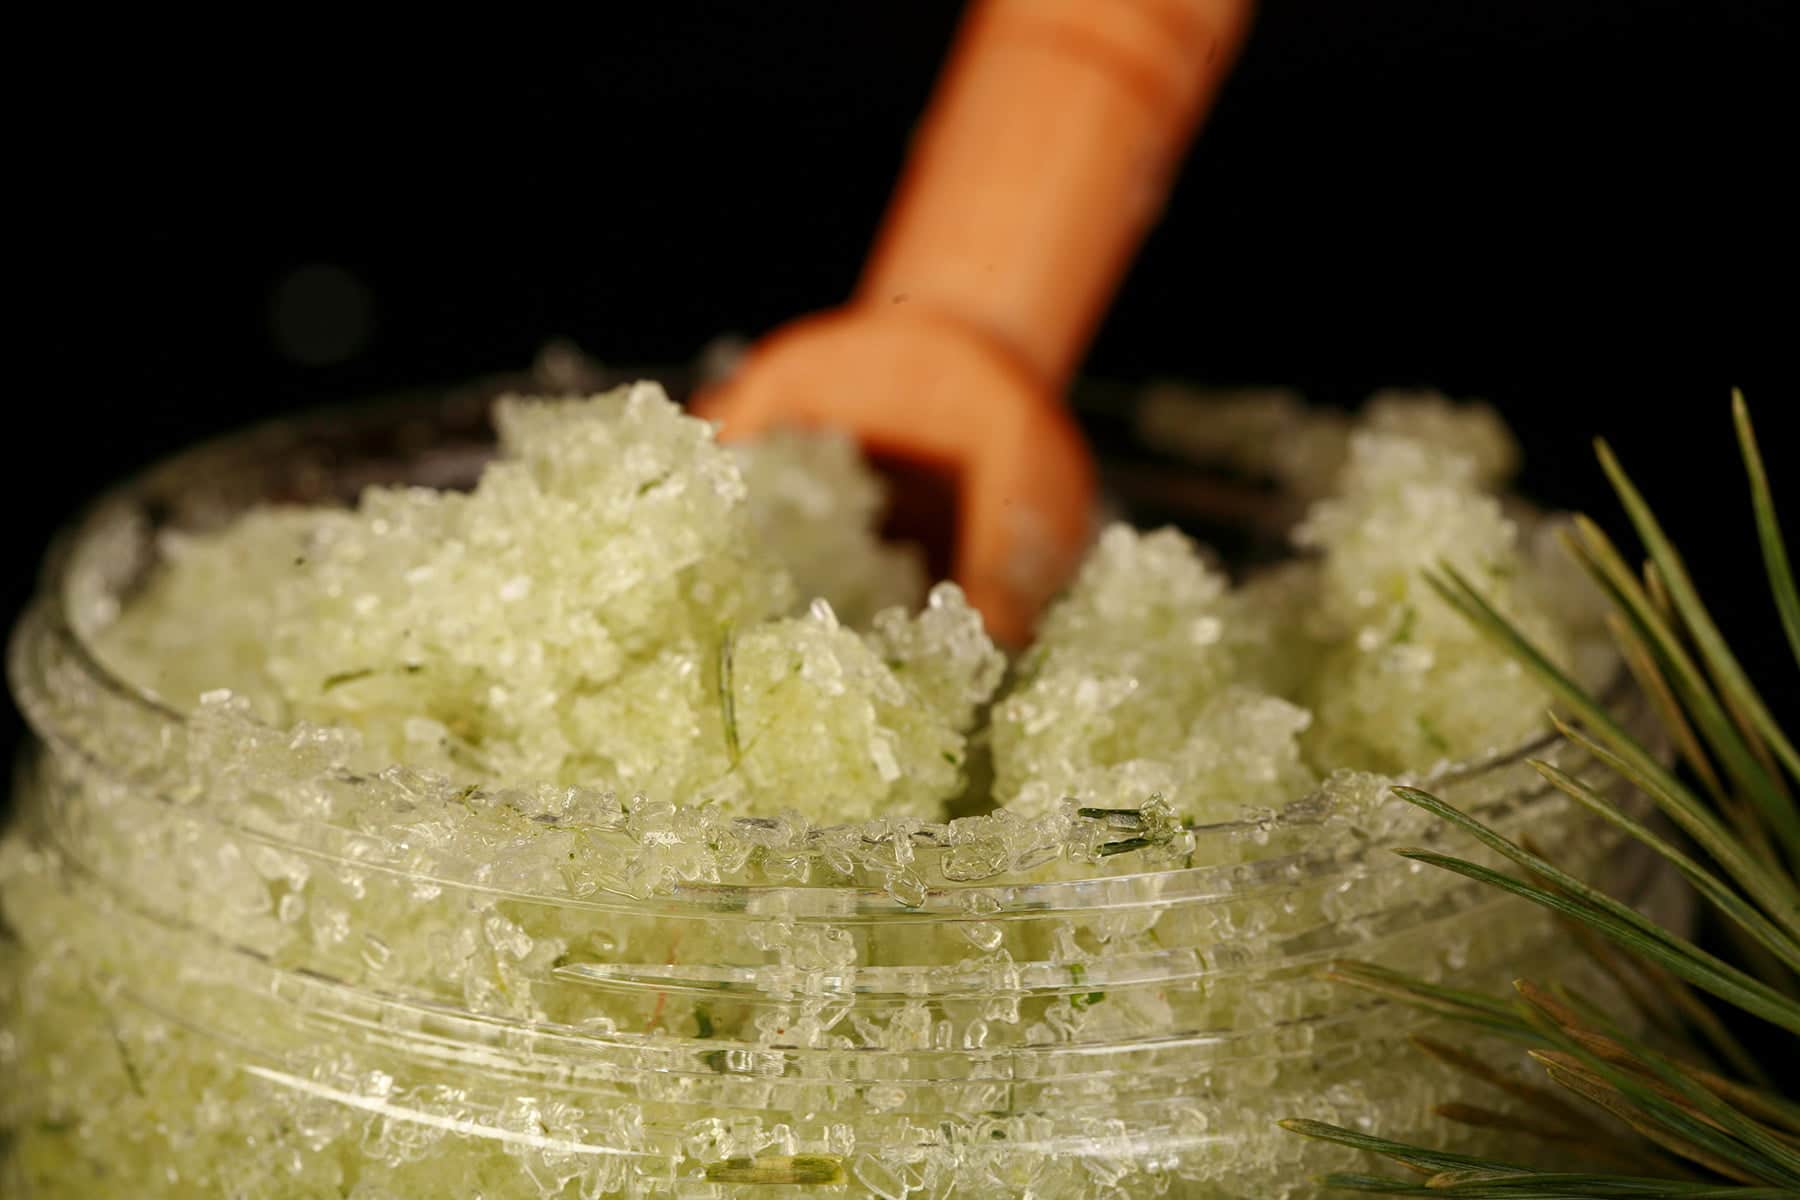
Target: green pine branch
[1668,1088]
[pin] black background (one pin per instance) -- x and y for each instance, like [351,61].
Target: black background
[1577,209]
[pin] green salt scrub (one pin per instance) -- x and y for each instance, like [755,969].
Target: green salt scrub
[621,602]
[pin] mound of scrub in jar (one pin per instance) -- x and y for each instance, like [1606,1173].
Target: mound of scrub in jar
[623,603]
[1153,676]
[619,600]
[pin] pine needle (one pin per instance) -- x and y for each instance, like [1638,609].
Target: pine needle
[1722,1113]
[1607,916]
[1648,985]
[1573,1119]
[1572,1074]
[1644,669]
[1623,751]
[1726,900]
[1719,658]
[1768,527]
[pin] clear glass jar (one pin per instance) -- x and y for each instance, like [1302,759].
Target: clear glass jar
[237,967]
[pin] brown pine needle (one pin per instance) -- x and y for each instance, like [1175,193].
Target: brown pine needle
[1754,740]
[1611,1050]
[1668,710]
[1601,557]
[1702,1018]
[1490,1118]
[1651,1000]
[1571,1073]
[1659,596]
[1550,1005]
[1783,1123]
[1539,1097]
[1450,1179]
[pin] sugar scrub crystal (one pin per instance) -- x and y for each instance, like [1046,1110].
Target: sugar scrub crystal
[637,823]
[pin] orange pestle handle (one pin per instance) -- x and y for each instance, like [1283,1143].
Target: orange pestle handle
[1042,161]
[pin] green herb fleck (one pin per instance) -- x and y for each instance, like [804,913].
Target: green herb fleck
[1408,619]
[343,677]
[778,1169]
[727,696]
[1118,817]
[1432,737]
[131,1071]
[1082,1000]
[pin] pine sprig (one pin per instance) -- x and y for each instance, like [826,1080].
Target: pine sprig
[1713,1122]
[1768,528]
[1618,922]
